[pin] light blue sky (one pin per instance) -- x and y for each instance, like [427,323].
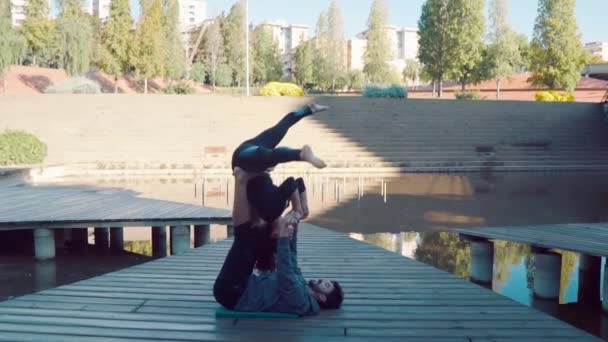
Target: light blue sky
[591,14]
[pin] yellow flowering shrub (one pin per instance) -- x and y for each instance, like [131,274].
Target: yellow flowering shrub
[281,89]
[554,96]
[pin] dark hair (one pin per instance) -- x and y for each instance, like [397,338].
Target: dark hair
[334,299]
[265,249]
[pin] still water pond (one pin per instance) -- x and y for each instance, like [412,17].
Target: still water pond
[409,215]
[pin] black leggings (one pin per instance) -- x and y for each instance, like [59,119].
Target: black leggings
[260,153]
[270,200]
[238,266]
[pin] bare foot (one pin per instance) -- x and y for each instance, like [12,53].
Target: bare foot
[315,108]
[308,156]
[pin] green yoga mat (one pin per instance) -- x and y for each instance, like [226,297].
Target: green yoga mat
[223,312]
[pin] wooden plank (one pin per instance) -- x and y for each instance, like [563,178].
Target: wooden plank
[88,206]
[590,239]
[388,297]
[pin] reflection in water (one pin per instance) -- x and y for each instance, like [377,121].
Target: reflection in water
[22,274]
[45,275]
[444,251]
[513,274]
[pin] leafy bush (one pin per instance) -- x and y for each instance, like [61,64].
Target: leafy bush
[76,85]
[198,72]
[281,89]
[19,147]
[467,95]
[356,79]
[393,91]
[223,76]
[181,88]
[554,96]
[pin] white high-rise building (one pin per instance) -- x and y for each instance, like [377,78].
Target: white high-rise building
[192,13]
[404,46]
[289,37]
[598,49]
[18,11]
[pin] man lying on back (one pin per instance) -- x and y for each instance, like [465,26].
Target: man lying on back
[284,290]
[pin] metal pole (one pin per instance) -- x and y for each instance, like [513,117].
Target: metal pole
[247,45]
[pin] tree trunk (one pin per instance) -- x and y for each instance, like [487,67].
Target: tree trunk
[115,85]
[145,85]
[463,85]
[440,87]
[34,60]
[434,89]
[3,83]
[497,88]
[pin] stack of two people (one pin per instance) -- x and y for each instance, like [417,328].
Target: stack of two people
[264,238]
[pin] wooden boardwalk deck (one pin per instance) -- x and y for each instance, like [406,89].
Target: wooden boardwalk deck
[58,206]
[585,238]
[388,297]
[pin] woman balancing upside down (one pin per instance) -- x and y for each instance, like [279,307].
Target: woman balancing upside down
[260,154]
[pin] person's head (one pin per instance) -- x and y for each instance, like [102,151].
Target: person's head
[328,294]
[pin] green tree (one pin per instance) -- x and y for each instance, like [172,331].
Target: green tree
[321,70]
[335,43]
[223,77]
[411,72]
[213,47]
[234,41]
[590,58]
[356,79]
[524,47]
[467,25]
[198,71]
[267,64]
[378,51]
[149,57]
[114,51]
[12,45]
[174,67]
[504,51]
[557,52]
[75,35]
[433,37]
[38,30]
[304,64]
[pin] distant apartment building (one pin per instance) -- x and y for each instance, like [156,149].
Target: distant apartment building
[403,41]
[598,49]
[18,11]
[289,37]
[98,8]
[192,15]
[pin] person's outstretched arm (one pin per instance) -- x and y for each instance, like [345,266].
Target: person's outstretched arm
[288,282]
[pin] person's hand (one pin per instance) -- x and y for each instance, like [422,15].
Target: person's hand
[286,230]
[294,217]
[305,213]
